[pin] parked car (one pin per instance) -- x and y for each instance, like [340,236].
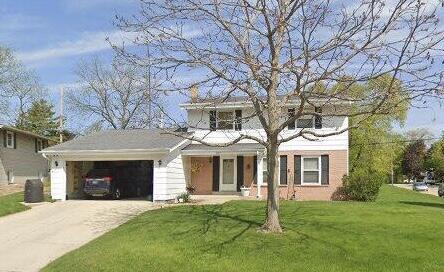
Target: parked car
[118,182]
[441,190]
[103,183]
[420,186]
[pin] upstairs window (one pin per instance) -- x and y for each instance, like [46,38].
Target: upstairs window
[305,122]
[10,139]
[291,113]
[225,120]
[38,145]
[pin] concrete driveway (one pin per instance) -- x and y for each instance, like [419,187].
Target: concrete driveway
[29,240]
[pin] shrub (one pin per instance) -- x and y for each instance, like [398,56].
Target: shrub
[184,197]
[362,186]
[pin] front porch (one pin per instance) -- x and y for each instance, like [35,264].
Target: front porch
[223,171]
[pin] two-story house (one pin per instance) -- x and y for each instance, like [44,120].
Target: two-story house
[308,169]
[19,156]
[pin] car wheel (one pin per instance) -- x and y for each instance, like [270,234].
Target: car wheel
[116,194]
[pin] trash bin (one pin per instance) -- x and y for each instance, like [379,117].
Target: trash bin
[33,191]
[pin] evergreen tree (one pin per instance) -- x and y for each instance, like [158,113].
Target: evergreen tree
[40,119]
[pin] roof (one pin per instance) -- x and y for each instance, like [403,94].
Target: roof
[154,140]
[236,148]
[13,129]
[241,101]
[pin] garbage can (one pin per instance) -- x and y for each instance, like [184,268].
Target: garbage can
[33,191]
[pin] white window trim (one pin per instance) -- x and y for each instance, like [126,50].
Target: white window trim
[9,133]
[233,121]
[278,173]
[303,170]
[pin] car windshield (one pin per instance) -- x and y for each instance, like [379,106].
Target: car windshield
[99,173]
[420,184]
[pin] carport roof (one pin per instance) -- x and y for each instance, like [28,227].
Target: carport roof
[154,140]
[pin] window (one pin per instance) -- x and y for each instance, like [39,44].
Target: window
[311,170]
[9,139]
[305,122]
[291,113]
[264,171]
[39,145]
[225,120]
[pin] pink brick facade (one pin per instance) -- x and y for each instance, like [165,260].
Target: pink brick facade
[202,174]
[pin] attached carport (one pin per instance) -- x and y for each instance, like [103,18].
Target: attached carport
[155,150]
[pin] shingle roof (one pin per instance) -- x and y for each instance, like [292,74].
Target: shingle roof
[112,140]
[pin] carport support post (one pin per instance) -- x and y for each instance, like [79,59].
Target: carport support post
[160,190]
[58,179]
[260,173]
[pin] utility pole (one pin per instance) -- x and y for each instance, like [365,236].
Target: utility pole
[61,114]
[150,121]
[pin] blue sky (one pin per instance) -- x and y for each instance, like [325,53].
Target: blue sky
[53,36]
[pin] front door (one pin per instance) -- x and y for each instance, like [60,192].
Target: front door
[228,174]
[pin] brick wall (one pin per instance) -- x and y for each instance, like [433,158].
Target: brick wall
[338,168]
[202,175]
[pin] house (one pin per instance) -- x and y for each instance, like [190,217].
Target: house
[19,155]
[309,169]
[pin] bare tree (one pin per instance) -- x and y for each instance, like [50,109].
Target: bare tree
[278,52]
[117,95]
[19,87]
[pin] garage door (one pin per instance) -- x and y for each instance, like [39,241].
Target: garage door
[133,178]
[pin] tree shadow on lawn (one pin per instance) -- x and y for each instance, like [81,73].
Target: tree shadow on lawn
[424,204]
[238,225]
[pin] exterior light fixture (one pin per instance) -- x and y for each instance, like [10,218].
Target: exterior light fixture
[159,162]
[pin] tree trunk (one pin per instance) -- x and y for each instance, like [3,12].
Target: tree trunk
[272,223]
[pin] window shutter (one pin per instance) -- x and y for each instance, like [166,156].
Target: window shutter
[297,169]
[292,125]
[283,170]
[238,120]
[36,145]
[216,166]
[15,140]
[5,139]
[212,120]
[240,172]
[318,118]
[325,167]
[255,169]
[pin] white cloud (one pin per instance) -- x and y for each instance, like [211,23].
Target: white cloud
[87,43]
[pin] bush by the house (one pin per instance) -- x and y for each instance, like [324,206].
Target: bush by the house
[362,185]
[184,197]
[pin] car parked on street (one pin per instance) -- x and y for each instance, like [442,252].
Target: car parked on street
[420,186]
[441,190]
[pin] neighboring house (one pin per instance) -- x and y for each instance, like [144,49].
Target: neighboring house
[309,170]
[19,155]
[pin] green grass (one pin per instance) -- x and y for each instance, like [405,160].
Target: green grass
[401,231]
[11,204]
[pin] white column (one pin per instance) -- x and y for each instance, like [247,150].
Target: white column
[260,173]
[58,179]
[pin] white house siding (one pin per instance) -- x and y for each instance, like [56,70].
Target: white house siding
[58,179]
[24,162]
[199,120]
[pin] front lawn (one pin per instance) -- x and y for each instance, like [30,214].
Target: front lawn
[11,204]
[402,231]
